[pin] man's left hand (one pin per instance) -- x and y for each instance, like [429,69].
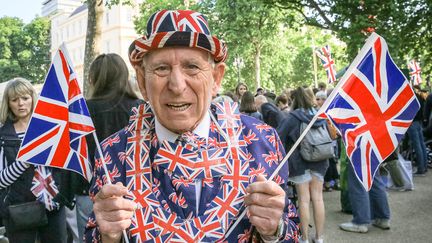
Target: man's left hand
[265,201]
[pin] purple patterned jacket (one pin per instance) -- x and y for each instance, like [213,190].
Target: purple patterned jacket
[161,176]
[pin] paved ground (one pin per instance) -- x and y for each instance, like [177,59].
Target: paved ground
[411,217]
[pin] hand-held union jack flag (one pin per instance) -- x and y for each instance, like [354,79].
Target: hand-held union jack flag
[56,132]
[44,188]
[328,63]
[415,72]
[372,107]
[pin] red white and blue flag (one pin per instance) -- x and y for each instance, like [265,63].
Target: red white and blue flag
[328,63]
[44,187]
[372,107]
[56,134]
[415,72]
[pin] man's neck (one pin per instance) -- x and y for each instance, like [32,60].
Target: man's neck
[202,130]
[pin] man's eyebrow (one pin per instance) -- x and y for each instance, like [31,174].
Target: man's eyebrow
[157,62]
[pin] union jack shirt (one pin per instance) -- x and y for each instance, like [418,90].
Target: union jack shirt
[160,176]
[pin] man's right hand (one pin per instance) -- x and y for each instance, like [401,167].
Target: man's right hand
[113,212]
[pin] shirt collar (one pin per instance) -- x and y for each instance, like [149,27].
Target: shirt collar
[201,130]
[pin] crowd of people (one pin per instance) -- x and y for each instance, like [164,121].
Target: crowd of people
[155,195]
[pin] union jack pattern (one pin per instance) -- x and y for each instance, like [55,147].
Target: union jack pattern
[372,108]
[178,28]
[56,132]
[328,63]
[44,188]
[167,213]
[110,142]
[415,72]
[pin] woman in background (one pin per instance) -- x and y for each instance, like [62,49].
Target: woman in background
[240,90]
[247,106]
[17,178]
[111,98]
[308,177]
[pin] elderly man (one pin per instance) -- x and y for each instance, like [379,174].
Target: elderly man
[183,170]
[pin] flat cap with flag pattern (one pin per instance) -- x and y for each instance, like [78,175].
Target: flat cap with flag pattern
[168,28]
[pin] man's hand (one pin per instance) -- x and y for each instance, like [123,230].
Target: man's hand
[113,212]
[265,201]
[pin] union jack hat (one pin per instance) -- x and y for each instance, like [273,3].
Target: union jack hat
[177,28]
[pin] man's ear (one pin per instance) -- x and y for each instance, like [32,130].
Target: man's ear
[218,74]
[141,82]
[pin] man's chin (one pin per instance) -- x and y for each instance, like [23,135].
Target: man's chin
[180,126]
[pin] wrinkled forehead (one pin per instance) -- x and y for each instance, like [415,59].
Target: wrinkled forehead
[172,54]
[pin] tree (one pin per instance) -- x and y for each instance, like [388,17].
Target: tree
[284,53]
[93,37]
[147,8]
[247,28]
[24,49]
[405,25]
[37,49]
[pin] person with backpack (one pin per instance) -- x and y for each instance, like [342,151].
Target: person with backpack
[309,161]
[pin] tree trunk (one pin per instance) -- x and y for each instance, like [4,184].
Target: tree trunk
[257,66]
[93,37]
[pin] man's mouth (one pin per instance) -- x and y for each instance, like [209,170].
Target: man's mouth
[179,107]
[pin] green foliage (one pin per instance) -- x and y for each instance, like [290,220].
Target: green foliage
[251,29]
[24,49]
[285,47]
[406,25]
[149,7]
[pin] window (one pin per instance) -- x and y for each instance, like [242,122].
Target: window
[81,54]
[107,46]
[75,55]
[107,20]
[129,15]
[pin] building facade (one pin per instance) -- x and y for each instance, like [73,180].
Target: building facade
[69,25]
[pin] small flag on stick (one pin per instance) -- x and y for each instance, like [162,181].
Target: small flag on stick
[415,72]
[372,107]
[328,63]
[56,133]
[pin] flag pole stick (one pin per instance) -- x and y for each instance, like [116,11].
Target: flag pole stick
[101,156]
[314,63]
[276,171]
[323,108]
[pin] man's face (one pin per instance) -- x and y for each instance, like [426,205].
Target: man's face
[179,83]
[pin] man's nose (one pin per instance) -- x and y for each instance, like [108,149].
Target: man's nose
[177,82]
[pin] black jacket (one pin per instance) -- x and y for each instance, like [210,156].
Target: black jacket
[272,115]
[109,116]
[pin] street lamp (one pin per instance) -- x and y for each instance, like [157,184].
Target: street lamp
[238,62]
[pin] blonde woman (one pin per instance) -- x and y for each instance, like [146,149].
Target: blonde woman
[16,177]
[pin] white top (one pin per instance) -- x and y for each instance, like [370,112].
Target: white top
[201,130]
